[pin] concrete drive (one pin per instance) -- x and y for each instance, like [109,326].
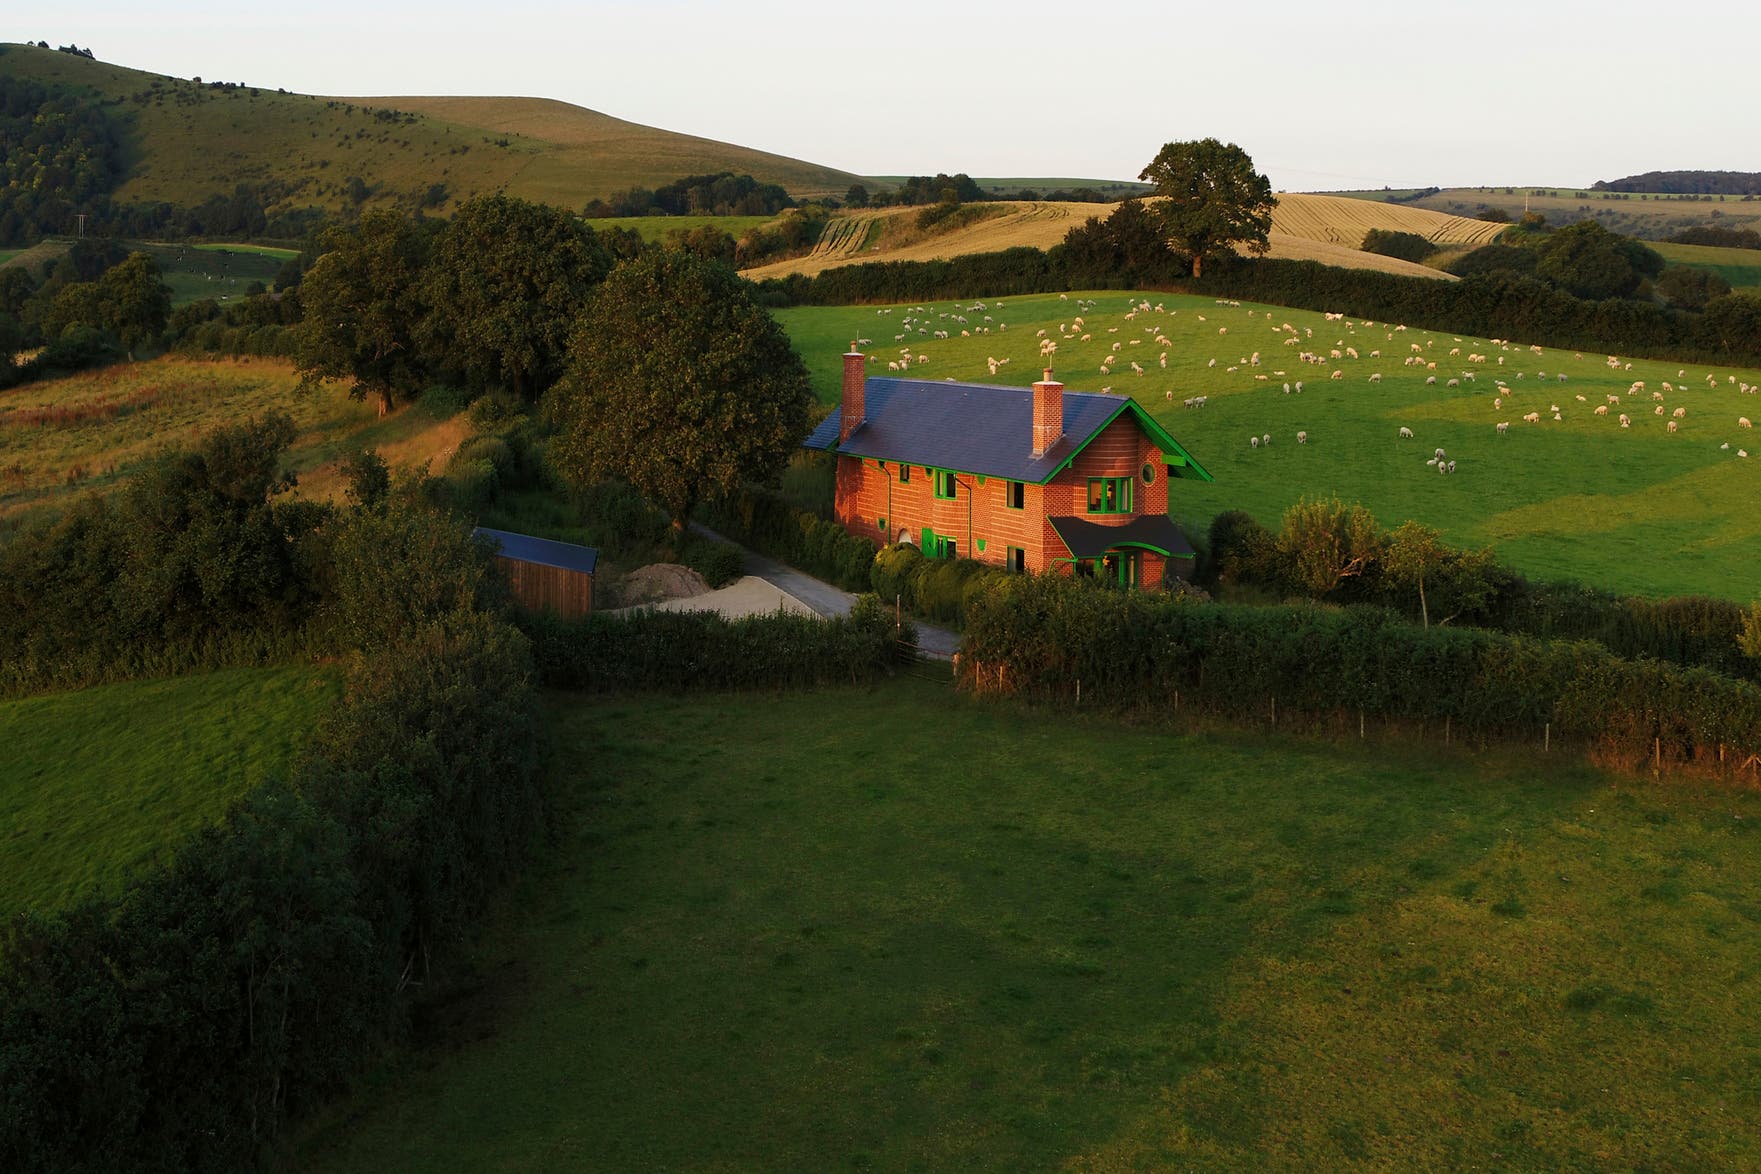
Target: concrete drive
[824,599]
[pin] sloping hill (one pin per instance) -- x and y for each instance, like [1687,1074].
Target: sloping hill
[1304,228]
[189,140]
[1341,220]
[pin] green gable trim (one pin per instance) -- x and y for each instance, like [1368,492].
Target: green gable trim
[1173,455]
[981,546]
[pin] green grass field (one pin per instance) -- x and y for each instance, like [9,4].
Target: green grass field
[658,228]
[221,272]
[1637,509]
[187,140]
[892,929]
[101,781]
[64,438]
[1740,267]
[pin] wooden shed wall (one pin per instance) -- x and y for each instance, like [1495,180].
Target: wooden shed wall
[538,588]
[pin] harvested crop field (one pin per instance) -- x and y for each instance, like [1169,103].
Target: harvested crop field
[1342,220]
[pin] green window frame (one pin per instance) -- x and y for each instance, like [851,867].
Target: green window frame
[1109,495]
[1014,495]
[945,485]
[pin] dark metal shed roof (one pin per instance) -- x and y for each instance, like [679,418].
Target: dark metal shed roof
[1155,532]
[980,428]
[542,551]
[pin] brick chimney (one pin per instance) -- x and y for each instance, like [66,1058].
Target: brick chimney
[855,388]
[1048,414]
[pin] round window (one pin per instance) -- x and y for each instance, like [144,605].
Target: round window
[1149,474]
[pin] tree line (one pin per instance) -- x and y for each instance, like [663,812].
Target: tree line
[1677,183]
[720,194]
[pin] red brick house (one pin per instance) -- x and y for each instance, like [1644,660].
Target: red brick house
[1029,480]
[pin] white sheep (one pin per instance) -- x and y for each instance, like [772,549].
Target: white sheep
[1679,413]
[1601,409]
[1405,433]
[1254,440]
[1625,421]
[1743,422]
[1430,381]
[1302,438]
[1670,425]
[1503,427]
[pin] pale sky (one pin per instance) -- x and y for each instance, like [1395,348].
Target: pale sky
[1402,93]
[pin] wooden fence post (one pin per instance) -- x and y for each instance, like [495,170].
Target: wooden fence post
[1547,739]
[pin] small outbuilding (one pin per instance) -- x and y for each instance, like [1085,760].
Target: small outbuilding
[546,575]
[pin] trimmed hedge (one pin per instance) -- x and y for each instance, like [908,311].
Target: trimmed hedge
[1040,635]
[176,1026]
[767,522]
[693,651]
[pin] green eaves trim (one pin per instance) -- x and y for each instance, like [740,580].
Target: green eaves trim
[1169,446]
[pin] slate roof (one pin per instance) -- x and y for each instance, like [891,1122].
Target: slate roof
[980,428]
[542,551]
[1087,539]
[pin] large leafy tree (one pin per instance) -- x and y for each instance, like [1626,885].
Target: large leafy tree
[1587,260]
[678,383]
[505,281]
[363,305]
[1212,199]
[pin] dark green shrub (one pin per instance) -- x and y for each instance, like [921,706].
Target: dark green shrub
[1406,246]
[720,563]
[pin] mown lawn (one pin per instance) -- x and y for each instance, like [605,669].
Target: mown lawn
[891,928]
[98,782]
[1638,509]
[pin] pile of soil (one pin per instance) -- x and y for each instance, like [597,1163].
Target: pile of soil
[660,581]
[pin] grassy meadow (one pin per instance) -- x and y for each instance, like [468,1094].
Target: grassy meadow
[1740,267]
[61,439]
[100,781]
[659,228]
[189,140]
[889,928]
[1637,509]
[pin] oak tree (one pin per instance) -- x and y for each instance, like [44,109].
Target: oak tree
[1211,199]
[679,384]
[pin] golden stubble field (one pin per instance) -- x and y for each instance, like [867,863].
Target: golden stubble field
[63,439]
[1327,229]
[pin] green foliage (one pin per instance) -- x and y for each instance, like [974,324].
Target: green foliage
[176,1026]
[1588,261]
[691,651]
[63,154]
[937,589]
[403,569]
[193,563]
[1749,640]
[1723,238]
[767,522]
[366,479]
[1212,199]
[363,303]
[1493,259]
[1690,288]
[1407,246]
[1322,544]
[1135,650]
[720,194]
[1241,548]
[503,283]
[679,384]
[720,563]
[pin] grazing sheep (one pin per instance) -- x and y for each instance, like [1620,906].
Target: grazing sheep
[1601,409]
[1503,427]
[1658,409]
[1266,439]
[1532,418]
[1299,387]
[1337,375]
[1254,440]
[1679,413]
[1625,421]
[1430,381]
[1452,466]
[1670,425]
[1405,433]
[1453,383]
[1439,454]
[1302,438]
[1376,378]
[1743,422]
